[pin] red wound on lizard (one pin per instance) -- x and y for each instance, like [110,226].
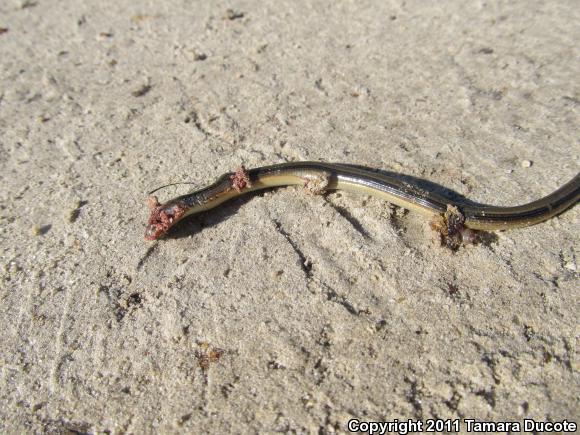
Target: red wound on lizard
[162,218]
[241,179]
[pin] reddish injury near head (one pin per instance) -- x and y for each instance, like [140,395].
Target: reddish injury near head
[162,218]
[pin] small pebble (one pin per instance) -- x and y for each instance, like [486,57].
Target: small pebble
[570,266]
[233,14]
[526,163]
[40,230]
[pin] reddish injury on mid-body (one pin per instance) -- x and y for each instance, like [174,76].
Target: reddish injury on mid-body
[162,218]
[240,179]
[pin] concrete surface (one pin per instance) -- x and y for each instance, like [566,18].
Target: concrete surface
[221,328]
